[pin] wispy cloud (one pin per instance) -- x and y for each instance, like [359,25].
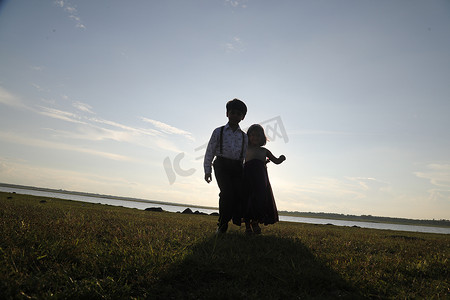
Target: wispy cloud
[318,194]
[166,128]
[96,129]
[90,133]
[48,101]
[235,45]
[29,141]
[83,107]
[437,174]
[40,88]
[8,99]
[60,114]
[4,167]
[132,130]
[236,3]
[349,195]
[37,87]
[369,184]
[37,68]
[323,192]
[331,187]
[71,11]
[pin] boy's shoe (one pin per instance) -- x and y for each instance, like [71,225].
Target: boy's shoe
[221,229]
[248,228]
[256,228]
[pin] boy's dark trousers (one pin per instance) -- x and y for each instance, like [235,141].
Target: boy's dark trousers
[228,173]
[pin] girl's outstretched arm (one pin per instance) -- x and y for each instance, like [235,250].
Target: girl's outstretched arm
[273,159]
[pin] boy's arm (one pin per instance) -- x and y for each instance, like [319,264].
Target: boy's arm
[274,159]
[209,156]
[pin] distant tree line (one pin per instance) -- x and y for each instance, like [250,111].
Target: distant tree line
[367,218]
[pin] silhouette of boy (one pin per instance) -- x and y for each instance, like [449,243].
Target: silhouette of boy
[228,144]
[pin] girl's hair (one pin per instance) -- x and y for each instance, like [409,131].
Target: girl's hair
[258,129]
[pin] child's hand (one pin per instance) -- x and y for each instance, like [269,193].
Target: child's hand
[208,177]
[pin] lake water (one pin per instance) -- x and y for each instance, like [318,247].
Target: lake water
[180,208]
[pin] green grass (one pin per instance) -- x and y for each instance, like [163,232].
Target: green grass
[70,250]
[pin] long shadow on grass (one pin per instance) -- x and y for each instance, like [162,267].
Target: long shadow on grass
[236,266]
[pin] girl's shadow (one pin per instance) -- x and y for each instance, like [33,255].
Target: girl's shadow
[235,266]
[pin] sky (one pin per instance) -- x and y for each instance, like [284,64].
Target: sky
[121,97]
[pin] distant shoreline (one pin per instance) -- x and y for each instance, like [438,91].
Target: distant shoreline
[319,215]
[369,219]
[61,191]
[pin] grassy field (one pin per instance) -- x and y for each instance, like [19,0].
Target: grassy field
[52,248]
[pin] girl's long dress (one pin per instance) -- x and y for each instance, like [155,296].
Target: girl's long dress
[259,203]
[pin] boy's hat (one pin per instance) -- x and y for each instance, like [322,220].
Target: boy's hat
[237,105]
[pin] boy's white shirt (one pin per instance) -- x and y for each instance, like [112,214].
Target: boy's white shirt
[231,146]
